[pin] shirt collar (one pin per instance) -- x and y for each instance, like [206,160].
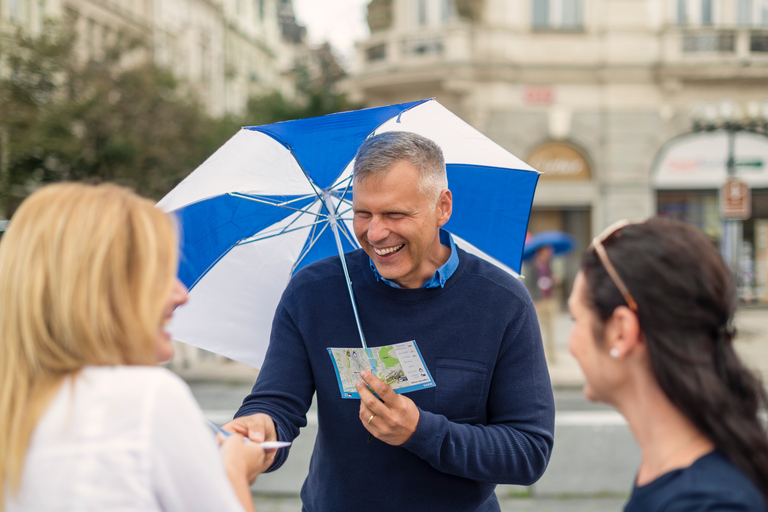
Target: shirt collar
[441,275]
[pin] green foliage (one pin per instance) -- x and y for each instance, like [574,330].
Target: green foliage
[118,117]
[95,119]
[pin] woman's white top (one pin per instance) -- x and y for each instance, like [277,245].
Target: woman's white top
[125,438]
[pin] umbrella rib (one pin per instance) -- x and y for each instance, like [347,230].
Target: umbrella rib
[344,194]
[263,198]
[309,248]
[346,234]
[345,211]
[296,219]
[279,233]
[278,205]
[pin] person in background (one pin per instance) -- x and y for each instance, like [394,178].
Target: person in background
[653,308]
[544,300]
[87,419]
[490,417]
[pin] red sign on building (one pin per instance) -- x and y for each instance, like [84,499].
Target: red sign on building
[735,200]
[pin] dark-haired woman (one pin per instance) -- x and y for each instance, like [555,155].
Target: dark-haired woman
[653,308]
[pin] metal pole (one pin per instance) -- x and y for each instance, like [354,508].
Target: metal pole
[734,229]
[333,220]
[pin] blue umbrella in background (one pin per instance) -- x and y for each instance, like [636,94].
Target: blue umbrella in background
[561,243]
[275,198]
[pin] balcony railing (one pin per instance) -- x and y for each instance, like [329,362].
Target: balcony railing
[758,41]
[423,46]
[729,46]
[722,41]
[417,48]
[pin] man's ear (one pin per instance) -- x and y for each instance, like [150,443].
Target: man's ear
[444,207]
[623,334]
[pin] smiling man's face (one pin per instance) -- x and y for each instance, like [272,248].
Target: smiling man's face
[398,226]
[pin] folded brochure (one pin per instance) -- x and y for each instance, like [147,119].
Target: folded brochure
[400,365]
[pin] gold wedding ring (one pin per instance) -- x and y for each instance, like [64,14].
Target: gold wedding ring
[371,418]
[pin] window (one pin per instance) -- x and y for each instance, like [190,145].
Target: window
[421,15]
[682,12]
[696,12]
[752,12]
[41,13]
[571,13]
[706,12]
[540,13]
[557,14]
[447,10]
[15,10]
[744,12]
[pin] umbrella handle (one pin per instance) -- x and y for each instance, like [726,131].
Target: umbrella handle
[335,229]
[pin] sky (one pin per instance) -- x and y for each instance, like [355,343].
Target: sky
[341,22]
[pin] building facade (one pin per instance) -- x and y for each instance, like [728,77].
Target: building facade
[603,96]
[225,50]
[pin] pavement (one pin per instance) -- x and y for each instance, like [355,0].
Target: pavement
[593,463]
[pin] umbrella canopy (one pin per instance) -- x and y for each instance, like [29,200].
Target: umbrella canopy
[561,243]
[275,198]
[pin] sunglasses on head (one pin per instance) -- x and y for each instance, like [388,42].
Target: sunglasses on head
[602,254]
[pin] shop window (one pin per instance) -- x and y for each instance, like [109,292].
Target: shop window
[557,14]
[698,207]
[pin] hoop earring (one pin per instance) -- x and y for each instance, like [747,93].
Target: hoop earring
[614,353]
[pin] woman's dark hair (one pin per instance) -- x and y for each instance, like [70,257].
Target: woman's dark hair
[686,301]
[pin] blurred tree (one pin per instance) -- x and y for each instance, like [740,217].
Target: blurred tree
[115,116]
[96,119]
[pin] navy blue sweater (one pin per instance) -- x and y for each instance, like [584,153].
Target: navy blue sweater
[489,420]
[711,483]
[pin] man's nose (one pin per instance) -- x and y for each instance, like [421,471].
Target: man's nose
[378,229]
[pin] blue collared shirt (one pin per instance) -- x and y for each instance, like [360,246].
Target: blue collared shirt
[441,275]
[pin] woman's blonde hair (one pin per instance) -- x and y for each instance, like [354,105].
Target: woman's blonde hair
[84,274]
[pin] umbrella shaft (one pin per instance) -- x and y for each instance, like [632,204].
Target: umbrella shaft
[335,228]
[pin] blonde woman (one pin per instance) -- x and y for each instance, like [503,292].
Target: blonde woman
[87,419]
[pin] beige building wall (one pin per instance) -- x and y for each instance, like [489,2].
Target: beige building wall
[614,79]
[188,38]
[252,43]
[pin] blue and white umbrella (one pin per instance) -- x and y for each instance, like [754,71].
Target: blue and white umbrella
[277,197]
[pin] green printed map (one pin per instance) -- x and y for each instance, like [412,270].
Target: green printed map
[401,366]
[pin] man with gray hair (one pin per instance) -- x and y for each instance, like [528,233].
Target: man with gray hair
[490,417]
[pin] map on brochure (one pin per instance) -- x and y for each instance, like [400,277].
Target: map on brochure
[401,366]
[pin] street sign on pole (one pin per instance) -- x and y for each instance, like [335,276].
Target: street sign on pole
[735,200]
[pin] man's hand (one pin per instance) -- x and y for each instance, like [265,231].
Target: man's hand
[256,427]
[245,459]
[393,419]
